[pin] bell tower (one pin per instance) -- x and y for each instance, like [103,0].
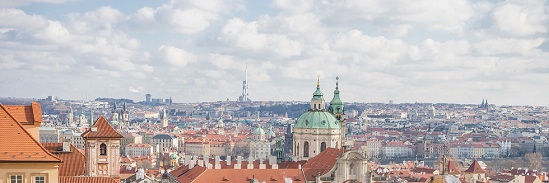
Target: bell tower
[102,149]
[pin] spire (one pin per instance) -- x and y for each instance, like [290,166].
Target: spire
[318,81]
[317,102]
[244,96]
[336,106]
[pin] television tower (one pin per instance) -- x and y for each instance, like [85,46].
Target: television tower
[244,96]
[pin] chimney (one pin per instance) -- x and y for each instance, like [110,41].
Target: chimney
[261,165]
[272,160]
[201,163]
[238,164]
[217,165]
[66,146]
[187,160]
[250,163]
[229,160]
[299,166]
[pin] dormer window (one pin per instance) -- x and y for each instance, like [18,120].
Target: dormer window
[103,149]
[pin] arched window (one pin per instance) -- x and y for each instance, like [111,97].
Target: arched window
[322,146]
[103,149]
[306,149]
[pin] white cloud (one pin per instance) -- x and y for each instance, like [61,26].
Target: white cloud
[176,56]
[133,90]
[187,17]
[522,17]
[245,35]
[505,46]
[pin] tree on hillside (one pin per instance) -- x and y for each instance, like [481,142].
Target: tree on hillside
[533,161]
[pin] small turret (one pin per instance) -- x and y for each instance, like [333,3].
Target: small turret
[336,106]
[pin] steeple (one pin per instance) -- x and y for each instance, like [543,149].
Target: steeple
[336,106]
[317,102]
[244,96]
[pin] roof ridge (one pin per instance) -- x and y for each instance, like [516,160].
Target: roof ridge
[28,134]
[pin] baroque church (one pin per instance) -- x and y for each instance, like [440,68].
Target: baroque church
[319,128]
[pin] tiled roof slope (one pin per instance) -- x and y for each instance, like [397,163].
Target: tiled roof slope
[86,180]
[16,144]
[202,175]
[474,168]
[321,163]
[73,161]
[104,130]
[452,169]
[26,114]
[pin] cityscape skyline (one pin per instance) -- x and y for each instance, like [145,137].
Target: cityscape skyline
[422,51]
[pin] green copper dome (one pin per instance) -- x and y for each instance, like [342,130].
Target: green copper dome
[317,119]
[317,95]
[259,131]
[336,105]
[174,156]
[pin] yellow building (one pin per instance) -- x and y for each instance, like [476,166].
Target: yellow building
[22,158]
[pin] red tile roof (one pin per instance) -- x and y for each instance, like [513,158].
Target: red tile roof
[26,114]
[321,163]
[474,168]
[200,174]
[73,162]
[452,170]
[16,144]
[87,180]
[104,130]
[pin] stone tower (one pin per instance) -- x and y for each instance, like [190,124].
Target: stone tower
[102,149]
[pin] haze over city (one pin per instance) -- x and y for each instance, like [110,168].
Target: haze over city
[194,51]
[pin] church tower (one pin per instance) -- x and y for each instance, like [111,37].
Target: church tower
[220,127]
[164,119]
[315,130]
[336,108]
[102,149]
[125,115]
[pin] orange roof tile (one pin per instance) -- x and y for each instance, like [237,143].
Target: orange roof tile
[474,168]
[201,174]
[321,163]
[16,144]
[73,161]
[452,170]
[87,180]
[104,130]
[26,114]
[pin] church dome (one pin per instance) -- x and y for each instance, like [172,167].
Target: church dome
[174,156]
[258,131]
[317,119]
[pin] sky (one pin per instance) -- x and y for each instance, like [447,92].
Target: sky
[433,51]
